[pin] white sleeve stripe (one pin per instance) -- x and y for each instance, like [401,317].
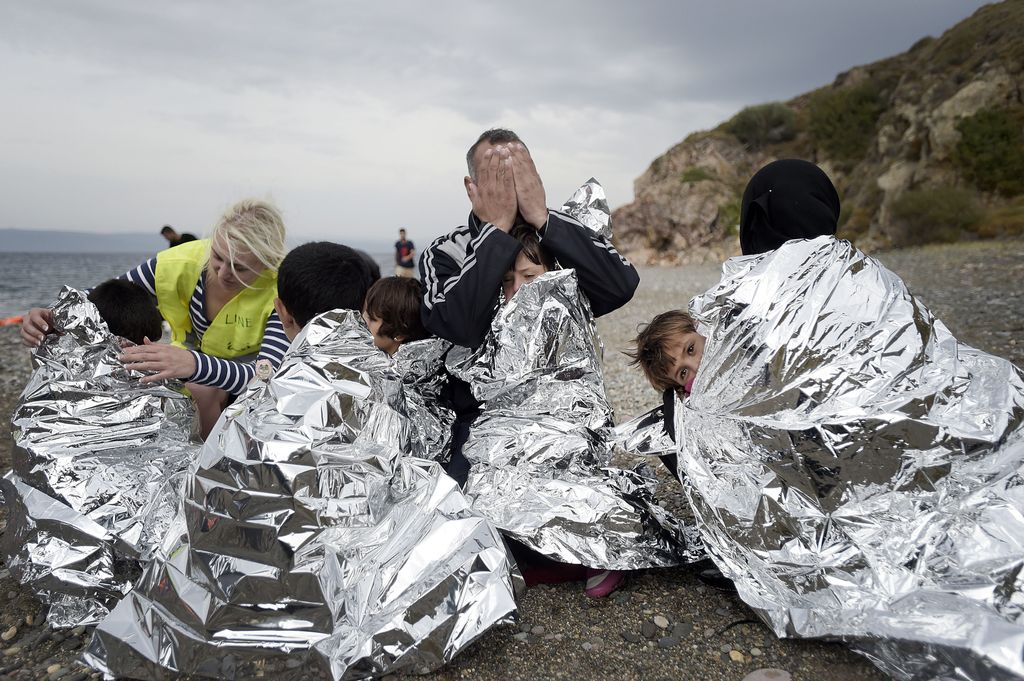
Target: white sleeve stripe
[434,296]
[235,378]
[143,276]
[430,274]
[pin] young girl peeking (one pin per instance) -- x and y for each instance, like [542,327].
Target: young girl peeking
[392,312]
[669,350]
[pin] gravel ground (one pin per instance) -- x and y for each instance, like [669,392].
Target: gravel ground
[664,624]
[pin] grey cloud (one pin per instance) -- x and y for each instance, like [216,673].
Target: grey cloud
[477,56]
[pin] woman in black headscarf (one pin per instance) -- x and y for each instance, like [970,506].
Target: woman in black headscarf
[787,199]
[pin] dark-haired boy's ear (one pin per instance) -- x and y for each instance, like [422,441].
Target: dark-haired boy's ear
[287,318]
[291,327]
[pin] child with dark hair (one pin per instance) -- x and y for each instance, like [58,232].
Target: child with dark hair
[317,277]
[128,309]
[532,261]
[392,311]
[668,351]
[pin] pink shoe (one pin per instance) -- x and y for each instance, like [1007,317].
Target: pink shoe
[601,583]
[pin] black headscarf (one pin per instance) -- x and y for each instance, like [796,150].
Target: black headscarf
[787,199]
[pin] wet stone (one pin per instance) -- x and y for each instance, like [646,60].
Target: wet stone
[632,637]
[521,636]
[525,627]
[292,663]
[57,674]
[77,676]
[755,652]
[648,630]
[681,630]
[668,642]
[71,644]
[768,674]
[735,656]
[661,621]
[78,631]
[538,630]
[725,648]
[9,634]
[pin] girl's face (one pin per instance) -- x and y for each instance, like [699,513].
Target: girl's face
[524,271]
[685,354]
[386,343]
[247,267]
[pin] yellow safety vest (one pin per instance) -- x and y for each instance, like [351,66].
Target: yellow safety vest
[238,328]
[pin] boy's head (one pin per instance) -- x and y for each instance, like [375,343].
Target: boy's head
[392,311]
[317,277]
[533,260]
[128,310]
[669,351]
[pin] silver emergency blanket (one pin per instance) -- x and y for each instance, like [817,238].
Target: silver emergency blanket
[420,366]
[98,459]
[540,452]
[855,469]
[589,206]
[309,544]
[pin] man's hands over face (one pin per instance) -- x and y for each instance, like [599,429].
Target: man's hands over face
[493,192]
[507,182]
[529,189]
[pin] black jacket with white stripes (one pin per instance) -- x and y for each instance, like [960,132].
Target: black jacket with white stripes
[462,273]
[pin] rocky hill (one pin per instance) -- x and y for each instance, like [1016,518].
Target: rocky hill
[924,146]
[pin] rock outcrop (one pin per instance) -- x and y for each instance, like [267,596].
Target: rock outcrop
[944,119]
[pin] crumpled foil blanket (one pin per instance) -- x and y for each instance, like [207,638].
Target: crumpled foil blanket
[540,452]
[98,462]
[855,469]
[309,543]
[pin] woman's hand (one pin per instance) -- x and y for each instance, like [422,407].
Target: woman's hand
[36,324]
[168,361]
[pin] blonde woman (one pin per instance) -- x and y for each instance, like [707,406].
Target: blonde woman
[217,295]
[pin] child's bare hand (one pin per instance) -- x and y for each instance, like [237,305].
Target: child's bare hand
[36,324]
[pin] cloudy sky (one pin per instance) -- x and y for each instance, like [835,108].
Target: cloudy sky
[354,117]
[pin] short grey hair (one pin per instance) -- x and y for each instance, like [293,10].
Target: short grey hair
[492,136]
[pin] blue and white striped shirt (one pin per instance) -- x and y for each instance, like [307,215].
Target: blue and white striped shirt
[230,375]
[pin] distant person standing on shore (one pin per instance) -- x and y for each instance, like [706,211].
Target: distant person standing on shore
[217,295]
[405,256]
[173,238]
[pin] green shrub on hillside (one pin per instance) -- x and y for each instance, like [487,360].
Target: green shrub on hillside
[938,214]
[842,122]
[757,126]
[1003,221]
[990,153]
[728,219]
[696,174]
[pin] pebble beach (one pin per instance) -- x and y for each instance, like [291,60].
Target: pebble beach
[664,624]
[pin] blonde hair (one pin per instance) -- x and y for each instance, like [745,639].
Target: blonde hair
[254,226]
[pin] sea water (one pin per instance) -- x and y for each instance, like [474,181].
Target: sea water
[35,279]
